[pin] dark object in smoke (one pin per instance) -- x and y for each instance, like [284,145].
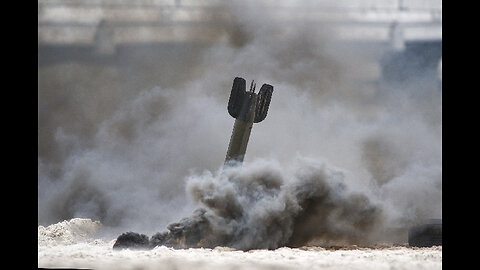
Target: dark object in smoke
[188,232]
[426,235]
[247,108]
[132,240]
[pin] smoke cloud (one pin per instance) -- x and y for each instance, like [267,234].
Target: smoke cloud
[264,206]
[137,143]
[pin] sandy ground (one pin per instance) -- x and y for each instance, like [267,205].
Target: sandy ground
[103,257]
[70,244]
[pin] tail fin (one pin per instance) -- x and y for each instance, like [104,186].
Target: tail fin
[263,101]
[236,96]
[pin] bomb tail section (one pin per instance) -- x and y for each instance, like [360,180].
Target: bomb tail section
[247,108]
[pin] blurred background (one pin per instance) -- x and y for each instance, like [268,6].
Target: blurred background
[135,35]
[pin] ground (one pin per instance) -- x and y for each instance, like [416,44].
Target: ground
[101,256]
[76,243]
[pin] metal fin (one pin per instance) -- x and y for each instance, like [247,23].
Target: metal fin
[236,96]
[263,102]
